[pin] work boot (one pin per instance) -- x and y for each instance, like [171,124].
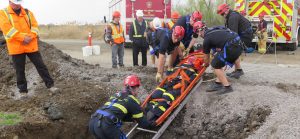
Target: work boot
[224,90]
[121,66]
[235,74]
[214,87]
[114,66]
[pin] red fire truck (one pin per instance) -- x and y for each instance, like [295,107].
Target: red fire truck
[151,9]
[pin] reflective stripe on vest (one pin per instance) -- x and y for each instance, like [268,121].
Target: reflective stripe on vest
[115,33]
[119,106]
[135,99]
[169,95]
[170,24]
[135,30]
[162,108]
[12,31]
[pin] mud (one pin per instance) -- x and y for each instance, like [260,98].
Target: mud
[262,106]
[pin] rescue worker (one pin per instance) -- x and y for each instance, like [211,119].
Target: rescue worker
[262,34]
[106,122]
[228,48]
[187,23]
[20,30]
[115,35]
[241,25]
[137,35]
[174,17]
[168,42]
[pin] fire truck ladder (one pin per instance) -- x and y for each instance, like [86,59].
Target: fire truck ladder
[166,124]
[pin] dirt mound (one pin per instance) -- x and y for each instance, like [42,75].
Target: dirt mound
[83,88]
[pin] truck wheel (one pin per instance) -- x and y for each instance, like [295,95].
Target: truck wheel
[291,46]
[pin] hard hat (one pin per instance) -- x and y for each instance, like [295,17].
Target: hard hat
[132,81]
[175,15]
[261,15]
[18,2]
[199,25]
[116,14]
[222,8]
[157,23]
[178,32]
[196,16]
[139,13]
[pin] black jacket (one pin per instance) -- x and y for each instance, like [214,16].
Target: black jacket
[140,30]
[238,23]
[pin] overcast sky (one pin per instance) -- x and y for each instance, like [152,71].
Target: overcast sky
[62,11]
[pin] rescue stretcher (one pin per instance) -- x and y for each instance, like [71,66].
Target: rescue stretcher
[186,92]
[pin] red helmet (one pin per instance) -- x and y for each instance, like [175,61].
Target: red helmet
[175,15]
[196,16]
[178,32]
[198,26]
[132,81]
[261,15]
[222,8]
[116,14]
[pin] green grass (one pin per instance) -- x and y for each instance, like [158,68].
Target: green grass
[9,119]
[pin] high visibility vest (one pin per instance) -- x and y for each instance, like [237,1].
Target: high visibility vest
[170,25]
[16,27]
[136,35]
[117,34]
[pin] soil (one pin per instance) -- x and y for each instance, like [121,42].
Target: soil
[263,105]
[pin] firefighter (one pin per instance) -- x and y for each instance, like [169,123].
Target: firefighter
[20,30]
[187,23]
[168,42]
[262,34]
[115,37]
[106,122]
[228,48]
[239,24]
[174,17]
[137,35]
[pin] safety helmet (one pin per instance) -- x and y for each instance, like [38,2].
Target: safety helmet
[157,23]
[18,2]
[196,16]
[139,13]
[222,9]
[175,15]
[199,25]
[261,15]
[116,14]
[178,32]
[132,81]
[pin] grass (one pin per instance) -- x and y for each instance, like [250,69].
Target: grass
[71,31]
[7,119]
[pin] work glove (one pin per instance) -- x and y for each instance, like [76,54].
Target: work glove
[158,77]
[205,65]
[152,51]
[187,51]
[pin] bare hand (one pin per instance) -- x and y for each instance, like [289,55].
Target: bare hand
[27,40]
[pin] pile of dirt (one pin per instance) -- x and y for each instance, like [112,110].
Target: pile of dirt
[65,114]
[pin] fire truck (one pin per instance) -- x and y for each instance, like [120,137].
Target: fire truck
[282,17]
[151,9]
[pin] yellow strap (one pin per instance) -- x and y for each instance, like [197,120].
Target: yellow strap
[9,17]
[135,99]
[137,36]
[119,106]
[35,30]
[116,34]
[139,115]
[171,24]
[11,33]
[170,95]
[135,31]
[134,27]
[162,108]
[154,102]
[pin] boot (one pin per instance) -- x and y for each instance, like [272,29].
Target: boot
[225,90]
[214,87]
[235,74]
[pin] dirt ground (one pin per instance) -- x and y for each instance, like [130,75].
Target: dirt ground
[265,103]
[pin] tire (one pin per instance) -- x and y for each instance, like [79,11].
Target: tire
[291,46]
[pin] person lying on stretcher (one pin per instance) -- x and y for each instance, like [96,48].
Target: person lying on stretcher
[163,97]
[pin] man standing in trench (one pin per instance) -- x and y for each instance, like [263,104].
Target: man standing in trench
[20,29]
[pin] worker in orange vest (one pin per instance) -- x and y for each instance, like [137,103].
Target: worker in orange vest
[174,17]
[115,35]
[20,30]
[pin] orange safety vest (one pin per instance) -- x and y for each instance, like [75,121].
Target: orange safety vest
[117,35]
[170,25]
[16,27]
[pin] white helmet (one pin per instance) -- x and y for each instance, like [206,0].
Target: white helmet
[157,23]
[139,13]
[18,2]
